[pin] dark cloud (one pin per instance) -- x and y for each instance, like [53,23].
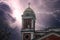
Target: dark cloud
[5,12]
[53,19]
[5,18]
[56,20]
[5,7]
[52,5]
[57,5]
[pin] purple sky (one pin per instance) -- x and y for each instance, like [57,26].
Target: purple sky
[47,14]
[43,9]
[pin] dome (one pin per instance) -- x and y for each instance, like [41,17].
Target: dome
[29,12]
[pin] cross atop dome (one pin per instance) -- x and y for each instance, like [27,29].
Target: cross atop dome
[29,4]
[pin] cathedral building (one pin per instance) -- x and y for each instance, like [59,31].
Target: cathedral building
[28,31]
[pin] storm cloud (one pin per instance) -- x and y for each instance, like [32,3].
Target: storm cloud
[5,12]
[6,19]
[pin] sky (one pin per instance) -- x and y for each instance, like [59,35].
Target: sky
[47,14]
[46,11]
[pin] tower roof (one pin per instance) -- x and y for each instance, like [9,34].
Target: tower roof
[28,11]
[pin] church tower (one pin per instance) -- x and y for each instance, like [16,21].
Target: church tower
[28,24]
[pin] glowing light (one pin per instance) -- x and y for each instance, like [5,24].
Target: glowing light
[17,15]
[17,12]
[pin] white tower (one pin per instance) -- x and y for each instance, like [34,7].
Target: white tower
[28,23]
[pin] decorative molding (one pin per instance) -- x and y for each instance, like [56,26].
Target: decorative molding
[27,17]
[56,30]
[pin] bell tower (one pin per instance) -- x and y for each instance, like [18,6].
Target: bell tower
[28,24]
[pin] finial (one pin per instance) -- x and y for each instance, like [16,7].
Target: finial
[29,4]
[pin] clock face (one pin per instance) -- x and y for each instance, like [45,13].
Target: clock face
[26,36]
[27,23]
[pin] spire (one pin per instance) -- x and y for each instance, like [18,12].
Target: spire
[29,4]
